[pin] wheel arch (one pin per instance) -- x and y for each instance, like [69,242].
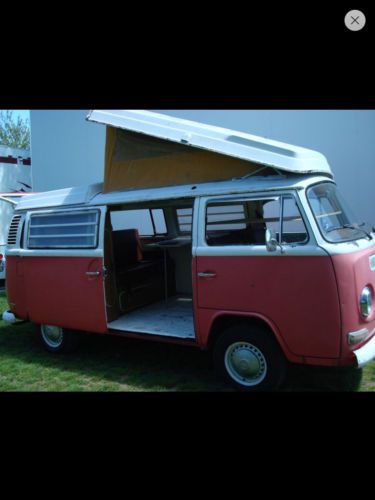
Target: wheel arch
[224,320]
[68,342]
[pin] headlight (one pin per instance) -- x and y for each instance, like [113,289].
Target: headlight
[365,302]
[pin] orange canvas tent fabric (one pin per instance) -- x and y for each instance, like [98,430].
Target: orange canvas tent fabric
[134,160]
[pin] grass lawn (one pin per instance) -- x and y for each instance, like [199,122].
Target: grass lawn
[105,363]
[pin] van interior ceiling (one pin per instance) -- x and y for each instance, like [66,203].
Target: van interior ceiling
[148,260]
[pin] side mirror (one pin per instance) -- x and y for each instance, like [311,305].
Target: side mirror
[271,241]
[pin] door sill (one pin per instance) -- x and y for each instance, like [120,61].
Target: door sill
[173,318]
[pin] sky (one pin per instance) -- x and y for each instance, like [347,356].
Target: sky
[23,113]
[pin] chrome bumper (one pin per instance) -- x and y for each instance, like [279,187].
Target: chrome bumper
[366,353]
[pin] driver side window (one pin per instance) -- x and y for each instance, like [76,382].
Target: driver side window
[242,222]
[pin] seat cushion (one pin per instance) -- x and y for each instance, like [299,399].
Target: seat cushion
[127,249]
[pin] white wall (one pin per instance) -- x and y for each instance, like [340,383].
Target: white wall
[15,176]
[67,150]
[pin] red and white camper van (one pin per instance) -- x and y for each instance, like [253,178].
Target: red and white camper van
[264,269]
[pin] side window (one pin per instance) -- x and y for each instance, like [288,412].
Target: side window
[149,222]
[184,220]
[293,227]
[242,222]
[64,230]
[159,221]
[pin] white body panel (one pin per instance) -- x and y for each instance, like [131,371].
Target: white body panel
[91,195]
[73,196]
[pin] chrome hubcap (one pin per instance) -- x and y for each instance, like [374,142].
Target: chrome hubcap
[245,363]
[52,335]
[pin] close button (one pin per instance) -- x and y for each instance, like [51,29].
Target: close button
[355,20]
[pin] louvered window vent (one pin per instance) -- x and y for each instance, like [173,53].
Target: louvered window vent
[12,235]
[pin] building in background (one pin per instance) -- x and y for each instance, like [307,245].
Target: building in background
[15,170]
[15,180]
[67,150]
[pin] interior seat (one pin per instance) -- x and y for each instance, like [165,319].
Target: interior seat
[139,281]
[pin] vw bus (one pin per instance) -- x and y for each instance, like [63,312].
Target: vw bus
[264,269]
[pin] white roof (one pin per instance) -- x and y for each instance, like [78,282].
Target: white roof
[219,140]
[60,197]
[92,195]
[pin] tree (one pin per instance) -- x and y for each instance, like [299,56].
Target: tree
[14,133]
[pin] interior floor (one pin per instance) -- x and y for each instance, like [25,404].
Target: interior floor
[169,318]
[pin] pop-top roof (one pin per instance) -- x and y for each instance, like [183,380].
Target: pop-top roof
[227,142]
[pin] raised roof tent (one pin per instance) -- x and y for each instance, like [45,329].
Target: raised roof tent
[146,149]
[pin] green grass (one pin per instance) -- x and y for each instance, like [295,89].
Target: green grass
[106,363]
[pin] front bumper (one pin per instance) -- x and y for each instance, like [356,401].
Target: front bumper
[366,353]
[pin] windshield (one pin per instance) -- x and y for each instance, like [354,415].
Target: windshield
[335,220]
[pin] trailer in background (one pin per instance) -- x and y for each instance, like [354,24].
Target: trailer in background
[15,182]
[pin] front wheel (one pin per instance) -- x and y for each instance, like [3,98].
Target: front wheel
[249,358]
[56,339]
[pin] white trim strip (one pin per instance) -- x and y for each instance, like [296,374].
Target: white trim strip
[80,235]
[65,225]
[259,251]
[94,253]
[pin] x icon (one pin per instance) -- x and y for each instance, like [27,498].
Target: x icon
[355,20]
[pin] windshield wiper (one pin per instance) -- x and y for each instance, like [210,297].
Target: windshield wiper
[356,227]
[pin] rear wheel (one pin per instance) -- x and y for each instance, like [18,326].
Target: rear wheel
[57,339]
[249,358]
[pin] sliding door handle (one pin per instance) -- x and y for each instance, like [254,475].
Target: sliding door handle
[207,275]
